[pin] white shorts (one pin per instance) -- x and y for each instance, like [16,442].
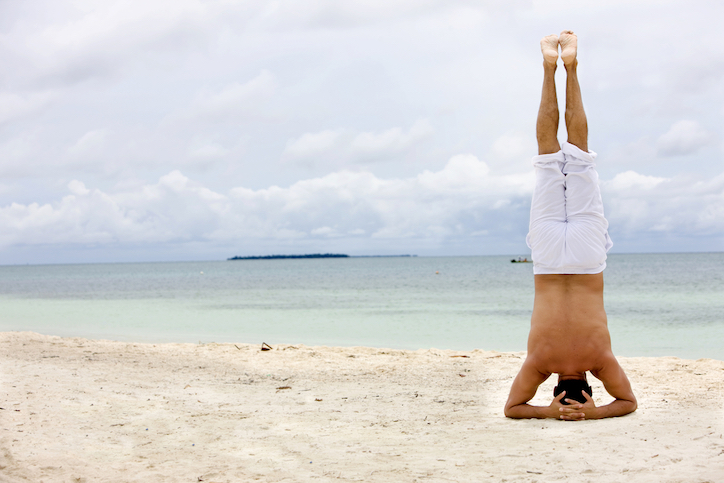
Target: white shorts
[568,232]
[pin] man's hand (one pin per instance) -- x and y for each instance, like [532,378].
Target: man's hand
[556,408]
[576,411]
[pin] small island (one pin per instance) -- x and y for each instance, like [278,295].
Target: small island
[315,255]
[280,257]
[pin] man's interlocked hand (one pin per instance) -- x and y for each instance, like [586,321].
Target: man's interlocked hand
[575,411]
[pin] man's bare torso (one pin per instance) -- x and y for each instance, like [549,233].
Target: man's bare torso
[569,331]
[569,337]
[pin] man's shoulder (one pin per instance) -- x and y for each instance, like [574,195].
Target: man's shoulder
[605,361]
[572,356]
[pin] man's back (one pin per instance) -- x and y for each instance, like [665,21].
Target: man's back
[569,332]
[569,337]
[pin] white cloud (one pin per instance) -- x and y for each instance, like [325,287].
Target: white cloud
[78,188]
[462,201]
[86,217]
[91,143]
[212,150]
[336,205]
[392,140]
[85,40]
[313,144]
[15,105]
[16,151]
[325,231]
[682,206]
[684,137]
[348,145]
[330,14]
[462,172]
[633,182]
[233,101]
[513,146]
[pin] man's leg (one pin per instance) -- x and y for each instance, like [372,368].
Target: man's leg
[576,123]
[587,239]
[547,124]
[548,208]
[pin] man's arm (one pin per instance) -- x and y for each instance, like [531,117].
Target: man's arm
[523,389]
[618,386]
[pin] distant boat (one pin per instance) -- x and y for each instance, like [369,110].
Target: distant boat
[521,260]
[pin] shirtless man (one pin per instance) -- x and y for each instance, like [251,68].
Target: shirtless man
[569,239]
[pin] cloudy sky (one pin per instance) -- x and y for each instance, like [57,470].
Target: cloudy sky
[136,130]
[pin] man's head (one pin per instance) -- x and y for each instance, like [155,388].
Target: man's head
[574,390]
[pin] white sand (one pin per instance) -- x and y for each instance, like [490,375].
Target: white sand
[77,410]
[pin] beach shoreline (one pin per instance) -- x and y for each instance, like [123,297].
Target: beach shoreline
[76,409]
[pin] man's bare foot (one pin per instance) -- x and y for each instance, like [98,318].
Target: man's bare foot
[549,47]
[569,46]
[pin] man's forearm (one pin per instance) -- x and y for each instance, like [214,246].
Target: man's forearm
[526,411]
[619,407]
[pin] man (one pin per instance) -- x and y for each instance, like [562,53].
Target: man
[569,240]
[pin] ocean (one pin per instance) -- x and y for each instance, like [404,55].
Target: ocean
[657,304]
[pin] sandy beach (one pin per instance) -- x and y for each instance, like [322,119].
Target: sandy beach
[78,410]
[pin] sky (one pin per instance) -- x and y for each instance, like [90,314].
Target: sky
[176,130]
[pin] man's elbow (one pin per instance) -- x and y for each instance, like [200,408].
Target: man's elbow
[623,407]
[510,412]
[633,405]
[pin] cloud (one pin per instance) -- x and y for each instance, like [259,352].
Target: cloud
[85,40]
[341,204]
[511,152]
[91,143]
[78,188]
[330,14]
[633,182]
[348,145]
[17,105]
[681,206]
[460,203]
[683,138]
[81,217]
[209,151]
[309,145]
[15,152]
[392,140]
[234,101]
[513,145]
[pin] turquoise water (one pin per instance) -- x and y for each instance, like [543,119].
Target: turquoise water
[669,304]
